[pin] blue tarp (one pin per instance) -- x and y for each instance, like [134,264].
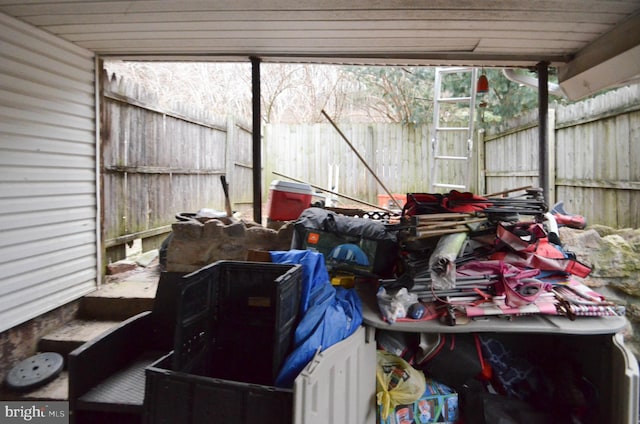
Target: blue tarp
[329,314]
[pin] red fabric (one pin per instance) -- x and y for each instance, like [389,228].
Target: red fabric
[422,203]
[454,201]
[464,202]
[529,247]
[522,236]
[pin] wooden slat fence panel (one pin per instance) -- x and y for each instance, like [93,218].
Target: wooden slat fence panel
[511,160]
[239,166]
[597,157]
[604,179]
[398,154]
[157,163]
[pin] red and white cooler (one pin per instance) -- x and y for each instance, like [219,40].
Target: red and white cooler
[287,200]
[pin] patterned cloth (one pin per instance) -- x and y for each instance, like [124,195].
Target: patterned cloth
[515,375]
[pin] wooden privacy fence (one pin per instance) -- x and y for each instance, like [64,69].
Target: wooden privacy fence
[315,153]
[594,156]
[157,163]
[400,155]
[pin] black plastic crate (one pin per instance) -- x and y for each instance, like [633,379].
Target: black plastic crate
[186,398]
[240,317]
[250,353]
[257,313]
[174,397]
[194,329]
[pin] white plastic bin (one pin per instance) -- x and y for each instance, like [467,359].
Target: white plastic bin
[596,343]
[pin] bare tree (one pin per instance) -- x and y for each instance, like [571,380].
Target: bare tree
[292,93]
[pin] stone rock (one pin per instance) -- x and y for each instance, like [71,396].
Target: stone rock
[603,230]
[633,312]
[614,256]
[276,225]
[261,238]
[145,259]
[195,243]
[121,266]
[188,229]
[250,223]
[618,261]
[584,244]
[284,236]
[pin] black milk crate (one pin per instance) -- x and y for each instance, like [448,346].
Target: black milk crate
[239,317]
[194,330]
[183,398]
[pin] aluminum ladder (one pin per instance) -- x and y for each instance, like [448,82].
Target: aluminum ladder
[452,146]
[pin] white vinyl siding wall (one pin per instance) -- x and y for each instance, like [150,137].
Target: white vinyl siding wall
[48,206]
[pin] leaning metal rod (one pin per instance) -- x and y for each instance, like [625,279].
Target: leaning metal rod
[362,160]
[462,279]
[334,192]
[500,193]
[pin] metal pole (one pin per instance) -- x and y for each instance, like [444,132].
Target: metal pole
[344,137]
[257,140]
[543,119]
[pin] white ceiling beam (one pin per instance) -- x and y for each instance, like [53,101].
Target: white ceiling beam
[611,60]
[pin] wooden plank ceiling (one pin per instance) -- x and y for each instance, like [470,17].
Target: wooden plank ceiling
[571,34]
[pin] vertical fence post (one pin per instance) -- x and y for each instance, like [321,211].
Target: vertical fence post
[551,155]
[481,183]
[230,158]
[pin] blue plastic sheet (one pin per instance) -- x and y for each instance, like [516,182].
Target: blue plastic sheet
[329,314]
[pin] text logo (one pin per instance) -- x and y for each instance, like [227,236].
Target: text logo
[34,412]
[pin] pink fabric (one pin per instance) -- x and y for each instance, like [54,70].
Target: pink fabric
[517,284]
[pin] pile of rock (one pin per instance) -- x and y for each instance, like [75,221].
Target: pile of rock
[195,243]
[614,256]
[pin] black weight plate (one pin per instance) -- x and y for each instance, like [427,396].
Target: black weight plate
[35,371]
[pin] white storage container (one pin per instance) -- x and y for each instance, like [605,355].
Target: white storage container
[339,386]
[597,344]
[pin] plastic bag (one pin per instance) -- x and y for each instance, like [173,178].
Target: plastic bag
[395,306]
[398,383]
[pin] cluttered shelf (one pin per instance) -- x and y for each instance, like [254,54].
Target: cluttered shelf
[475,264]
[547,324]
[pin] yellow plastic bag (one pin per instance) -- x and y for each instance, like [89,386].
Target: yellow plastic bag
[398,383]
